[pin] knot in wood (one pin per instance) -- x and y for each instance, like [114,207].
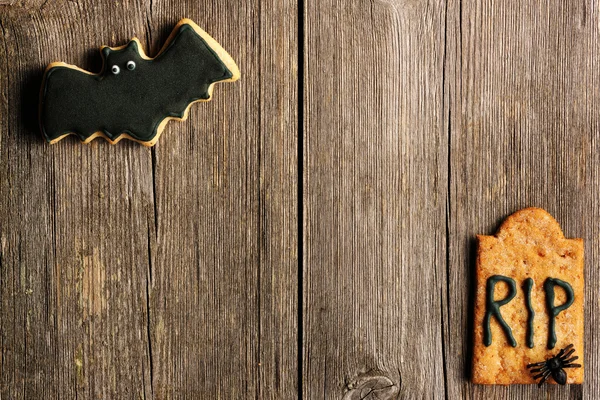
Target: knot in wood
[372,385]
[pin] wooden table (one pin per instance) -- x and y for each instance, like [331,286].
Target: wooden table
[309,232]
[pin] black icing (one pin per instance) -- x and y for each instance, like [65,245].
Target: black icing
[492,308]
[527,286]
[133,101]
[553,310]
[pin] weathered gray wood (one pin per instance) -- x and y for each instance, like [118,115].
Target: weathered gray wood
[127,272]
[375,200]
[173,272]
[73,225]
[522,79]
[223,306]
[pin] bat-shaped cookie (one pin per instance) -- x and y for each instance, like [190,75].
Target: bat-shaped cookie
[133,96]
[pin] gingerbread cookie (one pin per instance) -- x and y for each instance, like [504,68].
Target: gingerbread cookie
[133,96]
[529,303]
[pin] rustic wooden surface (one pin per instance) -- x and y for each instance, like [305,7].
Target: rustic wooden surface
[375,200]
[166,273]
[309,232]
[523,102]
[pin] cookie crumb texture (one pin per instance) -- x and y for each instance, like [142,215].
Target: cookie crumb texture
[529,244]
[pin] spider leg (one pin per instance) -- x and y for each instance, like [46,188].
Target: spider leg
[572,366]
[541,369]
[544,378]
[541,374]
[566,355]
[536,364]
[570,360]
[563,351]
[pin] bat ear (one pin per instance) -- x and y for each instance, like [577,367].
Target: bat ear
[105,50]
[133,45]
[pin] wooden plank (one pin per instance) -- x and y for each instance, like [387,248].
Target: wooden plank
[107,293]
[224,286]
[523,97]
[73,224]
[374,200]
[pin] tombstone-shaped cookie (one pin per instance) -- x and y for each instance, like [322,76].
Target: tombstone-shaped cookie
[529,303]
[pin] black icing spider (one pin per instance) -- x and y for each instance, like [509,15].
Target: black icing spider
[554,366]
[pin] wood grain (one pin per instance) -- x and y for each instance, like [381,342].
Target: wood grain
[127,272]
[223,299]
[73,228]
[523,99]
[374,200]
[173,272]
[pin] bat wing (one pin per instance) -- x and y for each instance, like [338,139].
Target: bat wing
[77,102]
[67,103]
[188,67]
[137,101]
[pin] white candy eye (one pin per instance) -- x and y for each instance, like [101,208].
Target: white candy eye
[131,65]
[115,69]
